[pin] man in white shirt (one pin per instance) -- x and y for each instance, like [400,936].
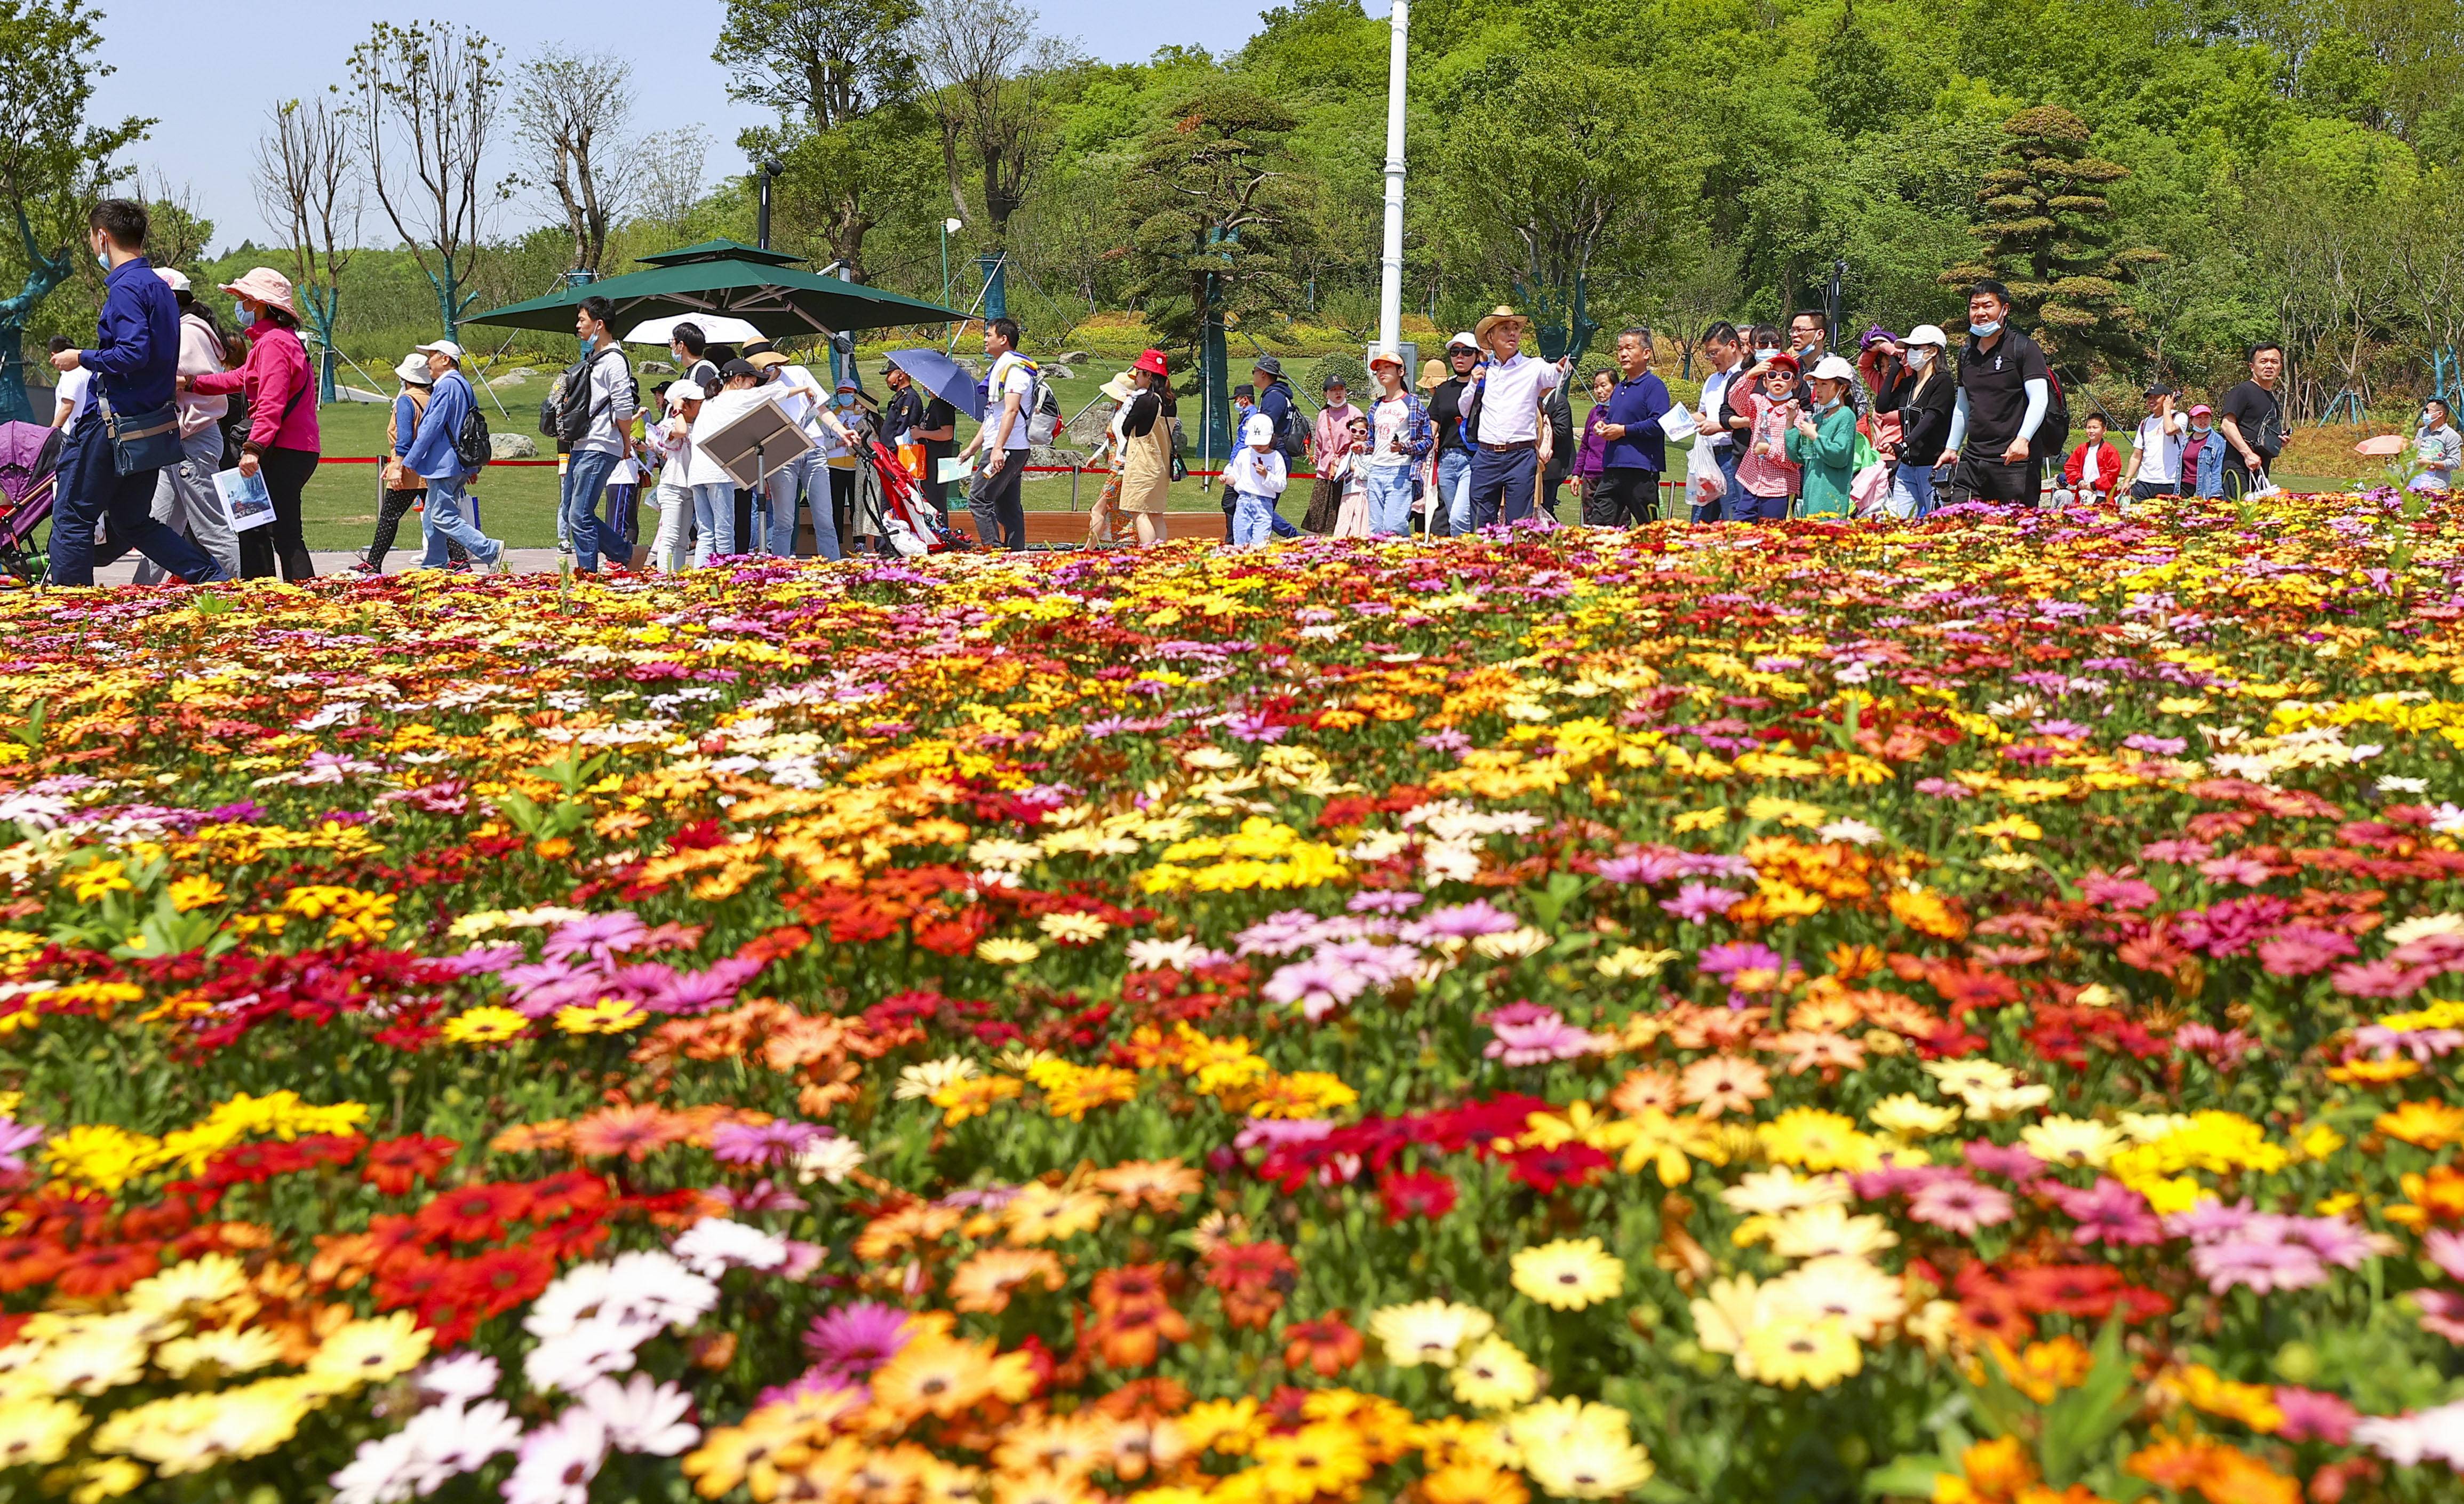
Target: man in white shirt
[2155,468]
[611,401]
[802,398]
[73,390]
[1508,436]
[1725,351]
[1009,393]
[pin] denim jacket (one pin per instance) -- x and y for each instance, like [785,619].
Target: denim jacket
[2211,465]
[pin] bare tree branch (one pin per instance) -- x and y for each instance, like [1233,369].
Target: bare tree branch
[570,115]
[428,95]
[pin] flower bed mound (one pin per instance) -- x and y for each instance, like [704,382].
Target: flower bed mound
[1813,1014]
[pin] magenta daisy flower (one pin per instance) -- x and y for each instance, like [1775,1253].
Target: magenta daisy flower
[856,1338]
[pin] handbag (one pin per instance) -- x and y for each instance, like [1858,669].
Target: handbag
[144,440]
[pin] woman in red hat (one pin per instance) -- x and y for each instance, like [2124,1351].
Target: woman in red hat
[1145,428]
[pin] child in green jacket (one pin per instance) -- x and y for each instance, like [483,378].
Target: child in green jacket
[1824,442]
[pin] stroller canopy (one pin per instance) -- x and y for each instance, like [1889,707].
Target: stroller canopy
[29,453]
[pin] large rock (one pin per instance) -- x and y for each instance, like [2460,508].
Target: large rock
[1090,428]
[1059,372]
[1045,455]
[1076,357]
[518,376]
[512,446]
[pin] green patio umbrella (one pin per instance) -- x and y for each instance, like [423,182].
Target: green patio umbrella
[722,277]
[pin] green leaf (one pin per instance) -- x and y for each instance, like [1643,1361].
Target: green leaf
[1911,1474]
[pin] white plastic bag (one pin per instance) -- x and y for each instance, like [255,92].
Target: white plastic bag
[1704,484]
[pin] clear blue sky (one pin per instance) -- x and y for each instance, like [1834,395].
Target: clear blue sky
[207,72]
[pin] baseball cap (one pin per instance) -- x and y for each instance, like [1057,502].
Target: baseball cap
[738,367]
[685,391]
[445,348]
[1464,339]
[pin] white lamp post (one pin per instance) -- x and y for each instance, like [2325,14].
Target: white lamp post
[1390,270]
[949,227]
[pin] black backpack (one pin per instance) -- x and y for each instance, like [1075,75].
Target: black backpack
[571,398]
[2053,440]
[1289,437]
[472,445]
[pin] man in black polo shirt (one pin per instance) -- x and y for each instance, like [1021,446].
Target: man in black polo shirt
[2004,392]
[2252,423]
[1453,456]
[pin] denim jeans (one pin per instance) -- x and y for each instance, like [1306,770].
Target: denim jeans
[1911,490]
[1453,500]
[713,522]
[1390,500]
[1732,501]
[1252,520]
[90,489]
[443,522]
[1502,483]
[586,475]
[803,478]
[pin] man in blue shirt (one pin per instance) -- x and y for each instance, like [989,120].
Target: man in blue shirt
[1628,491]
[135,362]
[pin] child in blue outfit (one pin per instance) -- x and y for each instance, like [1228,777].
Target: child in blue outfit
[1254,476]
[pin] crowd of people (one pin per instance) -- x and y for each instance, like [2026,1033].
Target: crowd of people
[167,404]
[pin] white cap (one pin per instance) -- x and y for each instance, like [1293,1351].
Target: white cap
[1831,368]
[685,391]
[1259,429]
[1465,340]
[445,348]
[173,278]
[1929,334]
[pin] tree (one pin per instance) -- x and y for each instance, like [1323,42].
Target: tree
[176,233]
[570,112]
[53,164]
[827,61]
[1549,170]
[671,166]
[2047,235]
[428,99]
[990,74]
[1215,214]
[841,74]
[307,182]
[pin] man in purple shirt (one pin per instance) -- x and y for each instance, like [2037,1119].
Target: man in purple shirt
[135,362]
[1628,491]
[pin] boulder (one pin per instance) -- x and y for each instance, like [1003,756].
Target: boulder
[656,368]
[1093,425]
[519,375]
[512,446]
[1045,455]
[1059,372]
[1076,357]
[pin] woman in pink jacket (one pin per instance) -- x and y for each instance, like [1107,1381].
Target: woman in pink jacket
[283,443]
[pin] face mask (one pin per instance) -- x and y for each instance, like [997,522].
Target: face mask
[1762,354]
[1986,331]
[1918,355]
[2202,427]
[244,318]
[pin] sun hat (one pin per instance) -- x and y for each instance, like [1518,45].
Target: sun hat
[1831,368]
[1385,356]
[1150,362]
[1117,390]
[1501,313]
[1259,429]
[173,278]
[1267,363]
[685,391]
[1927,334]
[445,348]
[762,361]
[1433,374]
[267,285]
[1466,339]
[754,347]
[414,370]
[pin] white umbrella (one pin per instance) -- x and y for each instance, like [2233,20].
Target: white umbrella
[716,328]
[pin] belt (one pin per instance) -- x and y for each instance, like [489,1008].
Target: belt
[1508,449]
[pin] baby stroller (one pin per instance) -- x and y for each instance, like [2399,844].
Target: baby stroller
[910,523]
[29,462]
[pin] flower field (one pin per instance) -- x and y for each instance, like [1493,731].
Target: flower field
[1721,1016]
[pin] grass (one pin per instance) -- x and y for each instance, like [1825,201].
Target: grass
[517,503]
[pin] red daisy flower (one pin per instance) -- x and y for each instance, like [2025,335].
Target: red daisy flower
[565,1193]
[1546,1170]
[26,1262]
[500,1278]
[473,1213]
[569,1237]
[110,1268]
[395,1164]
[1428,1196]
[412,1278]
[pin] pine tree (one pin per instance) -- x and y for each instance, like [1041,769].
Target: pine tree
[2048,235]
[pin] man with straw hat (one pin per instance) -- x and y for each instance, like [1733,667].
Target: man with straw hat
[1503,422]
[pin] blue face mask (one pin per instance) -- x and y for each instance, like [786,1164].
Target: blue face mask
[245,317]
[1985,331]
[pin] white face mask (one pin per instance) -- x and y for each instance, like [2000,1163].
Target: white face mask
[1916,355]
[1986,331]
[1764,354]
[244,316]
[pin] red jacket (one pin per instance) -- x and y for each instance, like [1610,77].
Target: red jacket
[2109,466]
[277,368]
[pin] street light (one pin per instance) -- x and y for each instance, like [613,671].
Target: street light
[949,227]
